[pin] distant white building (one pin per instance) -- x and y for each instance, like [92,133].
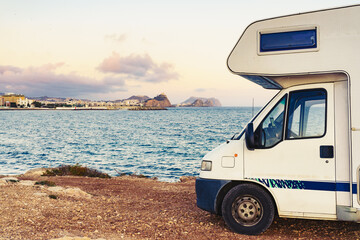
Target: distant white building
[131,102]
[24,103]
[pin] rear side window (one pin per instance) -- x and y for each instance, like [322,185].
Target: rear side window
[306,114]
[292,40]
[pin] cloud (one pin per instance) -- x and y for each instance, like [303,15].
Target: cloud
[40,81]
[50,67]
[117,38]
[45,80]
[117,84]
[138,67]
[200,90]
[132,65]
[9,70]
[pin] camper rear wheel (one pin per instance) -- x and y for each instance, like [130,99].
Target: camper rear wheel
[248,209]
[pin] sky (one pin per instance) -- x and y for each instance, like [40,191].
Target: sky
[113,49]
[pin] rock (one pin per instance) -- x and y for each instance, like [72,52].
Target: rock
[27,183]
[2,182]
[73,192]
[56,189]
[200,102]
[158,101]
[187,178]
[40,194]
[76,238]
[10,179]
[36,172]
[76,192]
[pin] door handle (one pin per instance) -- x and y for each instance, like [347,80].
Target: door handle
[326,151]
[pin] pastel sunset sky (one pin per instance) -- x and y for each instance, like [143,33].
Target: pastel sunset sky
[113,49]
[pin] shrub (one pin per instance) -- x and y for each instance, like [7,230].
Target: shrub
[53,196]
[75,170]
[46,183]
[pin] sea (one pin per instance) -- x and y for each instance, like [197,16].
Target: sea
[163,144]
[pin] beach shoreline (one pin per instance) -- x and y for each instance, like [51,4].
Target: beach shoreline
[132,108]
[129,207]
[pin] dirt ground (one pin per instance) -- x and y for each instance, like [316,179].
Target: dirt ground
[133,208]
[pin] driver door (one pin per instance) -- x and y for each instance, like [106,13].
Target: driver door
[294,154]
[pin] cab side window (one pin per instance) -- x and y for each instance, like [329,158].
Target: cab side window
[270,131]
[307,114]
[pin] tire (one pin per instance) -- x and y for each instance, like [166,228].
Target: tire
[248,209]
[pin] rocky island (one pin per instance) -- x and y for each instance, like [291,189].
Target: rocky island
[200,102]
[160,101]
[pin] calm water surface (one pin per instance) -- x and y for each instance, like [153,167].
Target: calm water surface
[165,144]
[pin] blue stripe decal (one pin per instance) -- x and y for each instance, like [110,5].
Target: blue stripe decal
[343,187]
[354,188]
[307,185]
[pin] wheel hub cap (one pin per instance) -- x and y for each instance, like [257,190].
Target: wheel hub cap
[247,210]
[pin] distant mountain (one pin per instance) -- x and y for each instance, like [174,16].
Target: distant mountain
[56,99]
[141,98]
[200,102]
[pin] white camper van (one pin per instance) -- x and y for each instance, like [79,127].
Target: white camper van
[299,157]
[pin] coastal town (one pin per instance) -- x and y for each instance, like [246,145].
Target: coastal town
[161,101]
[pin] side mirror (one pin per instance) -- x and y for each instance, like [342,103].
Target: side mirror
[249,136]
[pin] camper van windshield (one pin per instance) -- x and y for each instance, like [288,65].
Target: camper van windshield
[270,129]
[238,135]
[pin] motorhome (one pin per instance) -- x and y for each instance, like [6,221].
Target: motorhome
[299,157]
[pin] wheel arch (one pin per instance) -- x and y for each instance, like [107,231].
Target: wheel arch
[226,188]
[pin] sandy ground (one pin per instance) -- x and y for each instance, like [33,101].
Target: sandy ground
[132,208]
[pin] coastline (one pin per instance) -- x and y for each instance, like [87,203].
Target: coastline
[24,109]
[132,108]
[129,207]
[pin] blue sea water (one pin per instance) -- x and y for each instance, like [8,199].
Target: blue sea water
[165,144]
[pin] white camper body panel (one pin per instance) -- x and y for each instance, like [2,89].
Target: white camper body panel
[342,144]
[338,51]
[303,147]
